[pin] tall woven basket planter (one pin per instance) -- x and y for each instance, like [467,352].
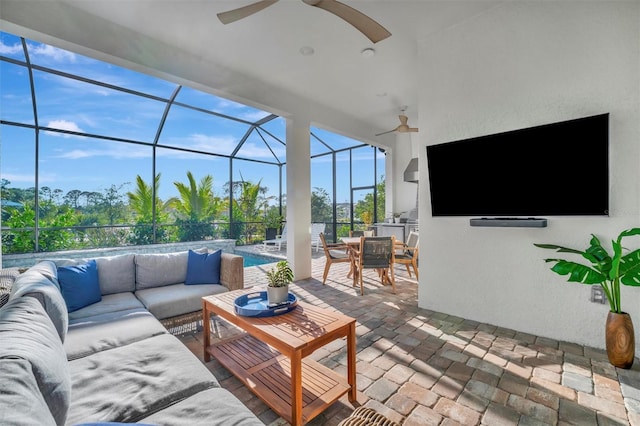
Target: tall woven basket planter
[621,346]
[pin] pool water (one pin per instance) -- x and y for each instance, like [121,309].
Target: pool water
[250,260]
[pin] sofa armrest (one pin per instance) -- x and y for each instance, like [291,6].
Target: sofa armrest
[232,271]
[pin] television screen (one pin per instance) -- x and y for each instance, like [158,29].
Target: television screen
[556,169]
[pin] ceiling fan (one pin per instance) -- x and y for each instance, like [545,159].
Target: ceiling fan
[367,26]
[403,127]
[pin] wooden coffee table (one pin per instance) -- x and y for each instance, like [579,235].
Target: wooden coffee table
[270,358]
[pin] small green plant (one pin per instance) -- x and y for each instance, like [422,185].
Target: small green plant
[607,270]
[273,219]
[281,275]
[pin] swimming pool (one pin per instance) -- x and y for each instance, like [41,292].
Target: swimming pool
[252,260]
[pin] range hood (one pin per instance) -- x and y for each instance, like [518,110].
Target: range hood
[411,172]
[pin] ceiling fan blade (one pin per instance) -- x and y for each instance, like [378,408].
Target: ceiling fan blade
[413,129]
[242,12]
[367,26]
[384,133]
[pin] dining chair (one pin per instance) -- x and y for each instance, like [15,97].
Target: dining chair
[334,253]
[376,253]
[407,253]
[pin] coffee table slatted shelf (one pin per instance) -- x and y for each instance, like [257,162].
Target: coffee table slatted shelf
[267,373]
[269,357]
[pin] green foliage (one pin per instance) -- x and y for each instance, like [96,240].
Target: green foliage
[197,208]
[273,219]
[248,206]
[141,202]
[54,234]
[607,270]
[321,210]
[364,209]
[196,202]
[280,275]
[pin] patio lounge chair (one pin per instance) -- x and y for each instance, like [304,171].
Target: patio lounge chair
[278,241]
[316,230]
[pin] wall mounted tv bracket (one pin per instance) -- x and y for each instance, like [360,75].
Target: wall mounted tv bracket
[516,222]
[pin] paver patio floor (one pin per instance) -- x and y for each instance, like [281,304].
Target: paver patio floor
[420,367]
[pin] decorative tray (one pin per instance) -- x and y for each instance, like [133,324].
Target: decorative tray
[255,305]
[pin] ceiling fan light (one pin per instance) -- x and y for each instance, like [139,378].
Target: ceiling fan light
[368,52]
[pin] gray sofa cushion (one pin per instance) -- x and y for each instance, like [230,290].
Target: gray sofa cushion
[21,403]
[172,300]
[48,269]
[212,407]
[109,303]
[127,383]
[26,332]
[107,331]
[34,284]
[156,270]
[116,274]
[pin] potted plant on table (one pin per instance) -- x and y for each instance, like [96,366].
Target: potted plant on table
[279,278]
[609,271]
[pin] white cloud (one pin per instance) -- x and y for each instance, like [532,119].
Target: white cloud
[253,116]
[251,150]
[46,51]
[125,151]
[241,111]
[10,50]
[64,125]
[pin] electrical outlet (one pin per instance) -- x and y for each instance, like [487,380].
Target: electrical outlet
[597,294]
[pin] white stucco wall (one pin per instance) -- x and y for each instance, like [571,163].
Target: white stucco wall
[519,65]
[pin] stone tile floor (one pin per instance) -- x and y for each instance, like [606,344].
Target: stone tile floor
[420,367]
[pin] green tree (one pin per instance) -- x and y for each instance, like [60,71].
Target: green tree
[196,207]
[54,230]
[141,202]
[364,208]
[72,198]
[112,204]
[321,210]
[248,206]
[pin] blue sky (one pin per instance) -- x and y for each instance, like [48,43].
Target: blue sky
[91,164]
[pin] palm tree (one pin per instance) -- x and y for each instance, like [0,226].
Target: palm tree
[196,207]
[248,205]
[141,201]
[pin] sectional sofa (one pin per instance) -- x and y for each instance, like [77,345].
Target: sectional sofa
[112,360]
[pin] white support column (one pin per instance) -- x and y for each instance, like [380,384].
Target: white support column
[299,197]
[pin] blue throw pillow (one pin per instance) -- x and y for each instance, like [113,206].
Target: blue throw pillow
[203,268]
[79,285]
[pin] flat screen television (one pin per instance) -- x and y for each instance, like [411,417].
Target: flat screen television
[558,169]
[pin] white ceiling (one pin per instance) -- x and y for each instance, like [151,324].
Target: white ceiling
[257,59]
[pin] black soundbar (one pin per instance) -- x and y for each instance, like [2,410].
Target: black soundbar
[518,222]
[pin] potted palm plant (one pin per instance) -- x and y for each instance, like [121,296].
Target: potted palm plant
[278,279]
[609,271]
[272,222]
